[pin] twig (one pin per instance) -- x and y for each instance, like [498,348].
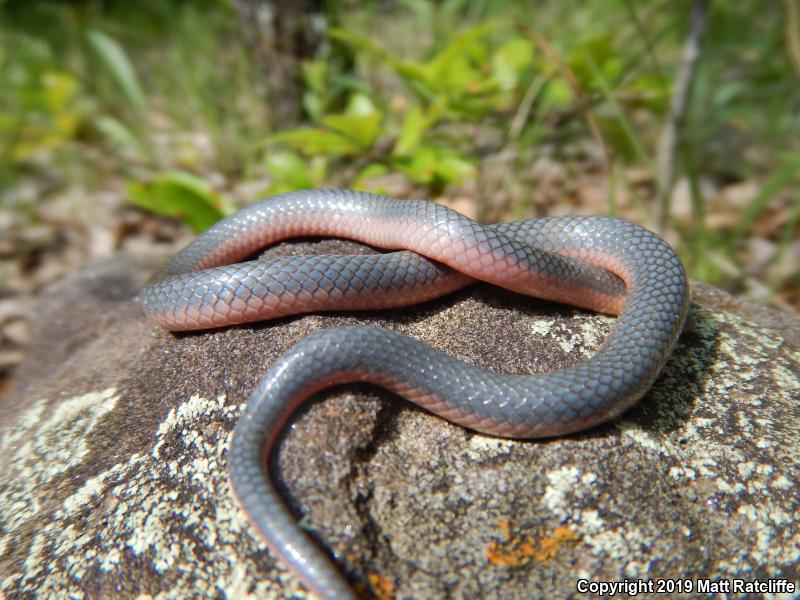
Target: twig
[665,159]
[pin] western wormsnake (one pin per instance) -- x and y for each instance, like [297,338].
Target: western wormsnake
[599,263]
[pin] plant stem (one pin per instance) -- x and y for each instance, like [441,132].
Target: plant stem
[665,158]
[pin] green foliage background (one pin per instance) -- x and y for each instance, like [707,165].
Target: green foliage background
[164,94]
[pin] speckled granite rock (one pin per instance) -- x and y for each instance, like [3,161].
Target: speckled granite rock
[114,446]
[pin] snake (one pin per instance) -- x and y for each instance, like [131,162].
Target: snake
[598,263]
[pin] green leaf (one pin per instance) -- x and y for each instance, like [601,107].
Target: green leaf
[510,60]
[595,62]
[119,66]
[314,74]
[435,166]
[558,94]
[59,89]
[358,41]
[453,167]
[182,196]
[452,73]
[450,64]
[371,171]
[362,130]
[361,121]
[289,170]
[316,142]
[459,79]
[415,124]
[119,135]
[315,96]
[412,71]
[360,105]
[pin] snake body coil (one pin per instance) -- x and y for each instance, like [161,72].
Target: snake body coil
[598,263]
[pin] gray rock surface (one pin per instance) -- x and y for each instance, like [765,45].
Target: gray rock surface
[114,445]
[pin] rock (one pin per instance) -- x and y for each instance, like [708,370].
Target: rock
[115,436]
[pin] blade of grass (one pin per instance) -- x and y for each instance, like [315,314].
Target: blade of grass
[121,136]
[120,67]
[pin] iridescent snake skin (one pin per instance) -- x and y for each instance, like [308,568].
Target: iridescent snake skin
[597,263]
